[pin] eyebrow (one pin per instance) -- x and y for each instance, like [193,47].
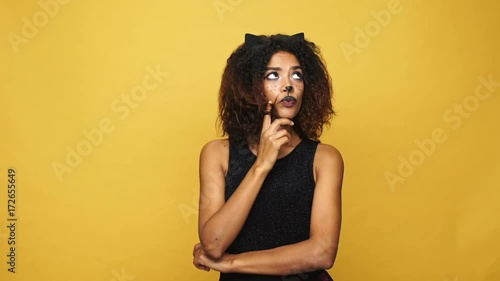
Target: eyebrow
[279,68]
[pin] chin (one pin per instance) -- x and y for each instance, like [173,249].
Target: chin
[286,114]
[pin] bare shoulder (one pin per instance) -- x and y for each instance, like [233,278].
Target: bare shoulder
[216,146]
[215,153]
[328,160]
[328,153]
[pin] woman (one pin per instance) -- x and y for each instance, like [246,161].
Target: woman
[270,194]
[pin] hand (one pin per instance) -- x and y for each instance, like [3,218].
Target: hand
[197,252]
[272,137]
[202,261]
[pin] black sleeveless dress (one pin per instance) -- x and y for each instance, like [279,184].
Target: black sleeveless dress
[281,212]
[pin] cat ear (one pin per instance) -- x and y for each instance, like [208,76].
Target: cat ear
[299,36]
[252,40]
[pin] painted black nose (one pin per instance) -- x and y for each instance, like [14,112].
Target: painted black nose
[289,88]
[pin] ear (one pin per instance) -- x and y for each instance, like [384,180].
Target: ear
[252,40]
[299,36]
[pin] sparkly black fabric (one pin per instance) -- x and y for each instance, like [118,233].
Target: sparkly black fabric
[282,210]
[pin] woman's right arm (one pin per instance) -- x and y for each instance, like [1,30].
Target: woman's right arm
[220,221]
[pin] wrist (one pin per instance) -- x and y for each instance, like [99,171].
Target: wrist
[260,169]
[229,263]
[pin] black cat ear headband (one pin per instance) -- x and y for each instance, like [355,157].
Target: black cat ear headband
[254,40]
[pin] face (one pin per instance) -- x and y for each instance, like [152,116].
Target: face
[283,84]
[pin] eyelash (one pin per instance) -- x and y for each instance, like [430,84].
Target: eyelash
[299,74]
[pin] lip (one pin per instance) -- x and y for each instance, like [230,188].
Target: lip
[288,101]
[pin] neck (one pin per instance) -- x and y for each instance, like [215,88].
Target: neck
[295,137]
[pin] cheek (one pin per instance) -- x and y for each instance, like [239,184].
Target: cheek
[300,88]
[271,91]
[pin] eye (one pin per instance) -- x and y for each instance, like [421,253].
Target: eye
[272,76]
[297,75]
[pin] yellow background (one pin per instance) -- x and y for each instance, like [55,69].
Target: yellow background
[127,210]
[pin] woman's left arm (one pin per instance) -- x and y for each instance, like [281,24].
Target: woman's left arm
[320,250]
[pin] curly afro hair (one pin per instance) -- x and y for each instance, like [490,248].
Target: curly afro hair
[242,104]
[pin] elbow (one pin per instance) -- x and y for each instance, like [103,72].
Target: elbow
[212,248]
[328,262]
[214,253]
[325,257]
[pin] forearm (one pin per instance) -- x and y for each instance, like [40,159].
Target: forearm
[305,256]
[223,227]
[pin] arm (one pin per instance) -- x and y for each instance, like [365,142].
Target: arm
[220,221]
[319,251]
